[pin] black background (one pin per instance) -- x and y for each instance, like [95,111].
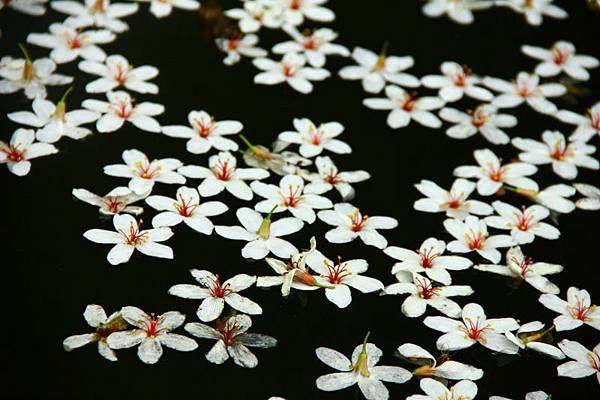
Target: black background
[50,272]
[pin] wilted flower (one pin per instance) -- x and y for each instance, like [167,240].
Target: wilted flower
[116,201]
[529,336]
[591,201]
[586,362]
[444,368]
[283,163]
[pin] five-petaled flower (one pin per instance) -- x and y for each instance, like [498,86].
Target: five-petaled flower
[116,72]
[458,10]
[575,312]
[591,201]
[314,139]
[100,13]
[587,126]
[314,45]
[435,390]
[114,202]
[255,15]
[585,362]
[21,148]
[290,69]
[29,7]
[559,58]
[524,224]
[294,11]
[236,46]
[485,119]
[443,367]
[163,8]
[534,10]
[456,82]
[472,235]
[329,177]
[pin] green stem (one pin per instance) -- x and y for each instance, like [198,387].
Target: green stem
[384,49]
[25,52]
[64,96]
[246,141]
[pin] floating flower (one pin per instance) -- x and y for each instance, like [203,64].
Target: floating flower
[120,108]
[586,362]
[214,294]
[116,201]
[222,174]
[329,177]
[289,195]
[255,15]
[163,8]
[538,395]
[423,293]
[575,312]
[68,43]
[54,121]
[475,327]
[443,368]
[237,46]
[553,197]
[294,11]
[405,107]
[96,317]
[434,390]
[561,58]
[456,82]
[524,224]
[129,237]
[314,139]
[528,336]
[351,224]
[526,89]
[21,149]
[282,163]
[362,370]
[290,69]
[458,10]
[100,13]
[565,157]
[375,70]
[534,10]
[314,45]
[29,7]
[587,125]
[472,235]
[591,201]
[116,72]
[428,259]
[262,236]
[151,334]
[492,175]
[232,339]
[337,277]
[454,202]
[144,173]
[485,120]
[186,208]
[205,132]
[524,268]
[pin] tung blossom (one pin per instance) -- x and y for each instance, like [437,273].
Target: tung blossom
[116,72]
[255,15]
[534,10]
[529,336]
[444,368]
[236,46]
[575,312]
[587,126]
[485,120]
[315,45]
[329,177]
[21,149]
[472,235]
[591,201]
[163,8]
[29,7]
[314,139]
[435,390]
[458,10]
[290,69]
[553,197]
[585,362]
[559,58]
[114,202]
[524,224]
[456,82]
[100,13]
[294,11]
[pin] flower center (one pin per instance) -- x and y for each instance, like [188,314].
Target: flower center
[524,89]
[315,136]
[460,77]
[113,204]
[289,70]
[560,56]
[121,73]
[561,151]
[218,290]
[151,325]
[223,170]
[594,359]
[427,256]
[295,4]
[203,127]
[479,118]
[98,7]
[186,208]
[134,237]
[523,265]
[74,42]
[332,177]
[594,120]
[293,196]
[475,329]
[145,170]
[425,289]
[357,220]
[13,153]
[523,220]
[408,103]
[230,331]
[475,240]
[336,273]
[123,109]
[580,311]
[28,71]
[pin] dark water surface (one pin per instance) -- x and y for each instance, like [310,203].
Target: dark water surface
[50,272]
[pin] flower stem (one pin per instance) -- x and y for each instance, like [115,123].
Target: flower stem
[246,141]
[25,52]
[64,96]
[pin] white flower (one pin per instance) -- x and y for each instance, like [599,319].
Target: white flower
[565,157]
[152,333]
[54,121]
[485,120]
[255,15]
[30,7]
[538,395]
[280,162]
[351,224]
[116,201]
[526,89]
[374,70]
[591,201]
[561,58]
[237,45]
[586,362]
[338,277]
[534,10]
[100,13]
[454,202]
[294,11]
[553,197]
[290,69]
[314,139]
[524,224]
[362,370]
[314,45]
[456,82]
[525,269]
[143,172]
[429,259]
[405,106]
[475,327]
[262,236]
[116,71]
[68,43]
[163,8]
[214,294]
[443,368]
[434,390]
[423,293]
[32,76]
[329,177]
[575,312]
[527,336]
[128,237]
[21,148]
[472,235]
[96,317]
[185,208]
[289,196]
[587,125]
[458,10]
[232,340]
[120,108]
[491,174]
[222,174]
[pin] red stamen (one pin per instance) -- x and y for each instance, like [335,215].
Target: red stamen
[336,273]
[475,240]
[223,170]
[357,220]
[134,237]
[113,204]
[425,289]
[185,208]
[13,153]
[427,257]
[151,325]
[475,330]
[523,265]
[218,290]
[580,311]
[293,197]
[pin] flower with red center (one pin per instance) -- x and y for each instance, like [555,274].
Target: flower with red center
[328,177]
[100,13]
[232,339]
[21,148]
[485,120]
[535,10]
[532,336]
[585,362]
[524,224]
[314,45]
[238,45]
[215,294]
[576,311]
[443,367]
[115,202]
[254,15]
[151,333]
[295,11]
[472,235]
[116,71]
[291,69]
[163,8]
[561,57]
[314,139]
[587,125]
[456,81]
[460,11]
